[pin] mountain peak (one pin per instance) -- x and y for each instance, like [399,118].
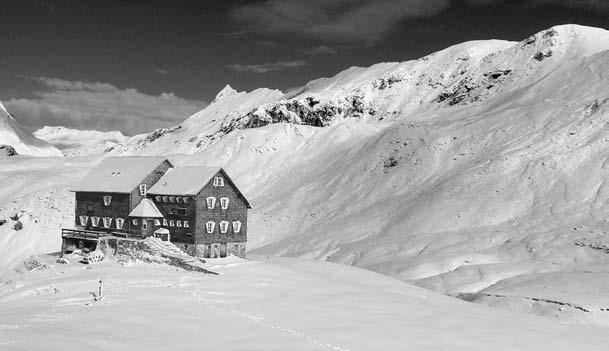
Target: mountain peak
[226,91]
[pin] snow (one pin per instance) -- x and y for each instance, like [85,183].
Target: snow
[146,209]
[119,174]
[74,142]
[480,169]
[13,134]
[184,180]
[260,304]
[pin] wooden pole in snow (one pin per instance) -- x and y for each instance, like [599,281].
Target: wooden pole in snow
[101,284]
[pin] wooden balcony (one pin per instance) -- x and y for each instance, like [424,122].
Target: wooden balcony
[94,235]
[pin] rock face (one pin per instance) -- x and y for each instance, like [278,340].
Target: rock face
[7,150]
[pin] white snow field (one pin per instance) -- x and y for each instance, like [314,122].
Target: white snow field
[478,171]
[277,304]
[73,142]
[13,134]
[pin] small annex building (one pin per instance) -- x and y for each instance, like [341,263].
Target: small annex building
[197,208]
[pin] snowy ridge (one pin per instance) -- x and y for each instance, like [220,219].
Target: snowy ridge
[73,142]
[13,134]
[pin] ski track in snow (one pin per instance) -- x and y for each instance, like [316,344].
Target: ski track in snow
[260,321]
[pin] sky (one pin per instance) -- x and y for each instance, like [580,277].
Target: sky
[139,65]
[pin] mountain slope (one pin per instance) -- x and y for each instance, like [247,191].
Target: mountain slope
[11,133]
[73,142]
[480,165]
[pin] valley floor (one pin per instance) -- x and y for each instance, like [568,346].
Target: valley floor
[257,304]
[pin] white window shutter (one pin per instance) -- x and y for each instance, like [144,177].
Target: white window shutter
[134,221]
[179,224]
[224,226]
[119,223]
[185,224]
[164,222]
[210,227]
[107,222]
[224,202]
[107,200]
[211,202]
[83,220]
[236,226]
[95,221]
[143,189]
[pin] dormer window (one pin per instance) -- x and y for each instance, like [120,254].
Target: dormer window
[143,189]
[224,202]
[210,227]
[218,181]
[211,202]
[236,227]
[223,226]
[107,200]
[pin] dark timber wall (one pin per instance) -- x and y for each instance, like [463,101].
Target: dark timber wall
[92,204]
[237,211]
[172,211]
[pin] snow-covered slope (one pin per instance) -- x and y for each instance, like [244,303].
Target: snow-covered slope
[74,142]
[480,164]
[11,133]
[277,304]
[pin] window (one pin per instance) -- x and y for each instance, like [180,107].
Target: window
[172,223]
[223,226]
[164,222]
[119,223]
[236,227]
[185,224]
[143,189]
[144,224]
[107,222]
[182,211]
[185,200]
[179,224]
[95,221]
[89,208]
[178,199]
[211,202]
[164,198]
[210,227]
[158,199]
[171,199]
[218,181]
[134,221]
[157,222]
[224,202]
[107,200]
[83,220]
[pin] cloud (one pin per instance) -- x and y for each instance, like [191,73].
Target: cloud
[100,106]
[359,22]
[321,50]
[350,21]
[267,67]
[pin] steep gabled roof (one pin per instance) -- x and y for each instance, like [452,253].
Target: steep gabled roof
[119,174]
[146,208]
[189,181]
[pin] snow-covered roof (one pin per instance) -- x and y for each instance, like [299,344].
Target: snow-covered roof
[184,180]
[119,174]
[146,208]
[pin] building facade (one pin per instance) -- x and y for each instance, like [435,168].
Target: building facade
[199,208]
